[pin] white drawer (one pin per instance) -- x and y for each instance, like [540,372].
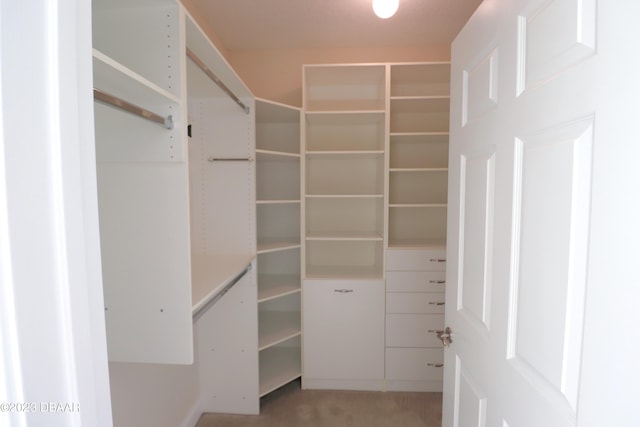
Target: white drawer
[416,260]
[413,330]
[414,364]
[403,302]
[416,281]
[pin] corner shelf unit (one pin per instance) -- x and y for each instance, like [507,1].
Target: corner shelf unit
[278,207]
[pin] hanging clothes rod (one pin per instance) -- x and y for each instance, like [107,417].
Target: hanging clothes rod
[215,79]
[220,294]
[167,122]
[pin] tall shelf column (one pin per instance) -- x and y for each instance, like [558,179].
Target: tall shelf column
[278,234]
[344,130]
[417,212]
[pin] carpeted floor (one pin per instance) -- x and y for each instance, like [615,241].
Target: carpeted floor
[292,407]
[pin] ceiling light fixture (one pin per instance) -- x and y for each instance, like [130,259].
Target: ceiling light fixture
[385,8]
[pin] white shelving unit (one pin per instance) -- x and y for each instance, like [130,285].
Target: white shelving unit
[222,181]
[344,130]
[418,154]
[345,135]
[278,207]
[375,172]
[415,276]
[143,181]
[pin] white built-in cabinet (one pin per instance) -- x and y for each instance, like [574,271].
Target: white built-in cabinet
[344,179]
[278,235]
[375,140]
[321,217]
[418,154]
[189,205]
[143,183]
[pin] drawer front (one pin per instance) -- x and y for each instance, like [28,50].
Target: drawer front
[414,364]
[413,330]
[416,281]
[424,303]
[416,260]
[343,329]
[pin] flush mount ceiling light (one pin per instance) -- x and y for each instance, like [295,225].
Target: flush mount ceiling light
[385,8]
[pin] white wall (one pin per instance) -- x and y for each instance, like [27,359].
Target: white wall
[52,334]
[151,395]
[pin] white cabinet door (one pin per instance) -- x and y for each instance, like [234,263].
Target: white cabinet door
[343,334]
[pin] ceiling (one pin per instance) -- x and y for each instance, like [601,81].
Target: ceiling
[282,24]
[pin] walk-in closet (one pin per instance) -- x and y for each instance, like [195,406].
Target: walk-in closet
[247,242]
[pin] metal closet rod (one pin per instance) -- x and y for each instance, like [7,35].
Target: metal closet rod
[215,79]
[105,97]
[220,294]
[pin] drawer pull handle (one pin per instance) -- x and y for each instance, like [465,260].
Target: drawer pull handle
[437,282]
[435,365]
[343,291]
[438,260]
[436,303]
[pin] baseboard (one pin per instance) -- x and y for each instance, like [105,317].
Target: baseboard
[361,385]
[404,385]
[193,416]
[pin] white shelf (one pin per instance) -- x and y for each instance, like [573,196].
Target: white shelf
[345,196]
[419,97]
[344,258]
[144,36]
[343,272]
[417,205]
[278,177]
[418,187]
[270,112]
[418,169]
[364,236]
[417,244]
[411,115]
[345,111]
[210,273]
[118,80]
[420,79]
[345,131]
[344,152]
[276,327]
[276,154]
[339,174]
[278,202]
[279,366]
[271,286]
[420,223]
[274,244]
[344,87]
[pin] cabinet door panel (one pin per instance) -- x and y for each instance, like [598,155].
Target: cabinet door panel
[343,329]
[414,330]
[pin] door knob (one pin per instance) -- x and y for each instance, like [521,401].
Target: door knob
[445,336]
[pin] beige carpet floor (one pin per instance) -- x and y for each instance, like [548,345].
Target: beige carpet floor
[292,407]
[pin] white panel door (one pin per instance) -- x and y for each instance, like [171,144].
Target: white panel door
[537,150]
